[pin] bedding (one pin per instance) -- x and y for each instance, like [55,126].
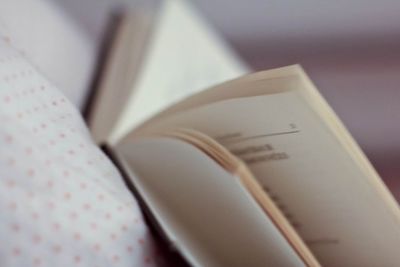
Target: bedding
[62,202]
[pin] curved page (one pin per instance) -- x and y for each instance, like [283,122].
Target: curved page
[340,209]
[205,211]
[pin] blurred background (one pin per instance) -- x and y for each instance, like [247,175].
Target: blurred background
[351,50]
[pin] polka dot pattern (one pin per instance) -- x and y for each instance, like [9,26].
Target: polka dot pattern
[62,202]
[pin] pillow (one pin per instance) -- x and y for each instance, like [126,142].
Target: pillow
[62,201]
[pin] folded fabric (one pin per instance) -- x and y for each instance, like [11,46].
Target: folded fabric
[62,201]
[53,42]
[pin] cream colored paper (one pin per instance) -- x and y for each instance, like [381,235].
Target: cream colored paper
[339,208]
[184,56]
[205,210]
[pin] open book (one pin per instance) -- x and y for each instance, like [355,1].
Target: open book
[256,171]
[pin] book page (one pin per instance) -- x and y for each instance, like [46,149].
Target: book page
[183,57]
[341,211]
[205,211]
[127,36]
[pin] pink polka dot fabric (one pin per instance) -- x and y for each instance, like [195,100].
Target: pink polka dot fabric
[62,203]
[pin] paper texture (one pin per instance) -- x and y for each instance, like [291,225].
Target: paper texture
[184,56]
[334,203]
[205,210]
[62,202]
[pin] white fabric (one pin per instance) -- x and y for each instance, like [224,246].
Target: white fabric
[53,42]
[62,203]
